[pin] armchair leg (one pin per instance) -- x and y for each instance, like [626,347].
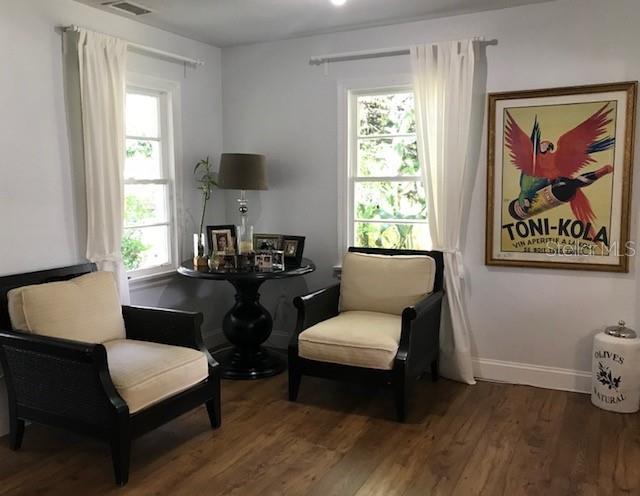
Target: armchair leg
[294,373]
[294,384]
[400,393]
[434,370]
[213,409]
[401,403]
[121,455]
[16,433]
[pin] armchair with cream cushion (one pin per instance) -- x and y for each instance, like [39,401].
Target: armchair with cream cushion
[380,325]
[74,358]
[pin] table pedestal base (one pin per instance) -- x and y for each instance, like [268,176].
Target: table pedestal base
[240,364]
[247,325]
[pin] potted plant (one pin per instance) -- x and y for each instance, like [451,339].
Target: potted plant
[205,177]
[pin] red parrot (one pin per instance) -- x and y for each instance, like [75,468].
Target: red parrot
[542,159]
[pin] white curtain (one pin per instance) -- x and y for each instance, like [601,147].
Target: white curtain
[102,62]
[443,84]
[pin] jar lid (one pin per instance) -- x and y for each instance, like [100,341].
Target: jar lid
[621,331]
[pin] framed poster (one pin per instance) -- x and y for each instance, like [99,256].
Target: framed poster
[559,177]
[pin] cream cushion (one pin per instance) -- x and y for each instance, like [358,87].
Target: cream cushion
[85,308]
[360,339]
[145,373]
[387,284]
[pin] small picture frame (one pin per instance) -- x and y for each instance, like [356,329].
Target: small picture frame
[264,261]
[277,260]
[293,247]
[267,242]
[222,239]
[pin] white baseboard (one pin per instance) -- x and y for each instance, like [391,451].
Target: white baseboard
[578,381]
[215,339]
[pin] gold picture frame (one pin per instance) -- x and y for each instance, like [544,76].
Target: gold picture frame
[559,176]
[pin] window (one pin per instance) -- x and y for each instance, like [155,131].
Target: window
[386,205]
[149,241]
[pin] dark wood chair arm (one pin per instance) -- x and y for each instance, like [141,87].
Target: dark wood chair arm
[159,325]
[316,307]
[421,329]
[68,379]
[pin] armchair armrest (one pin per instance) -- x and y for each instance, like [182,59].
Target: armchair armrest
[160,325]
[316,307]
[420,335]
[68,381]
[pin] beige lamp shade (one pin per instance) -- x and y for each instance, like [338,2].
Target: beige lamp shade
[242,171]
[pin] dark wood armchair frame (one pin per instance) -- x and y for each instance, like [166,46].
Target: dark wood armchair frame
[417,350]
[67,384]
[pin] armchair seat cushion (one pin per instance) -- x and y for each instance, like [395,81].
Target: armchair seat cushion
[356,338]
[146,373]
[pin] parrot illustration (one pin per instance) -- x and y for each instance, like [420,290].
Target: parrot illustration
[541,162]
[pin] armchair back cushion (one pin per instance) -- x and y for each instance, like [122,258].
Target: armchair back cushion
[86,308]
[387,284]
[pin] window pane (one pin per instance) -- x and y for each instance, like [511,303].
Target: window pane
[389,200]
[145,247]
[388,157]
[142,160]
[142,115]
[397,236]
[386,114]
[145,204]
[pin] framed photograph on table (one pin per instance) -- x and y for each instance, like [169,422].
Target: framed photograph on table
[293,247]
[267,242]
[559,177]
[222,239]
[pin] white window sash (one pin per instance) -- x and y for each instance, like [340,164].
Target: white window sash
[348,90]
[169,139]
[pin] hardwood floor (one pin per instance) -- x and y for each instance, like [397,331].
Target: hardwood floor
[341,440]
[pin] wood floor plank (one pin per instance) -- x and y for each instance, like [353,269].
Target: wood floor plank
[486,471]
[339,439]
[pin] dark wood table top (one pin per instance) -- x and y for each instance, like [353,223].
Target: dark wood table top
[187,269]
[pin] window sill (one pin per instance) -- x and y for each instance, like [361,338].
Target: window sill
[146,281]
[337,271]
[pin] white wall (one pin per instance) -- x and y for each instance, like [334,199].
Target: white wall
[41,182]
[276,103]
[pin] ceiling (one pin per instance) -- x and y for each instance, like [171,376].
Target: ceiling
[233,22]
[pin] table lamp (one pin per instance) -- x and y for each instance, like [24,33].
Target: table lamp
[243,171]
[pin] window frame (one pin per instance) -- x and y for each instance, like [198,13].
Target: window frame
[348,93]
[169,138]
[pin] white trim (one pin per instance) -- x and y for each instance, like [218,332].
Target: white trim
[391,221]
[170,127]
[215,339]
[390,179]
[152,279]
[528,374]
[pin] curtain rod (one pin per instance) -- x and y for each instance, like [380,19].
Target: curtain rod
[150,50]
[367,54]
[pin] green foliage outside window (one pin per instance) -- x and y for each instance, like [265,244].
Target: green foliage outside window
[143,148]
[136,210]
[391,151]
[133,248]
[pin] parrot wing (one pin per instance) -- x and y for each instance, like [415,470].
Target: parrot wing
[575,146]
[581,208]
[523,150]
